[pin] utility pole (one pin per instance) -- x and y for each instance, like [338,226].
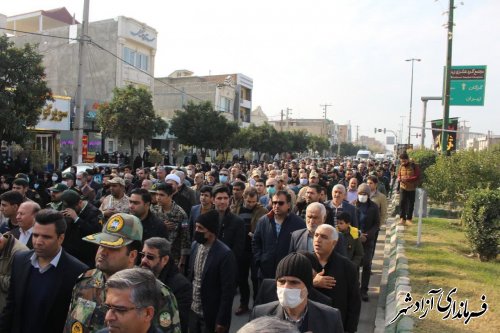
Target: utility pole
[78,122]
[281,122]
[401,130]
[288,112]
[411,97]
[446,107]
[424,115]
[325,109]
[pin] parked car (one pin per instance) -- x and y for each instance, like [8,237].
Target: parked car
[84,166]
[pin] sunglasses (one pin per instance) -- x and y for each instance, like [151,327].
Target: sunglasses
[279,203]
[120,310]
[148,256]
[269,186]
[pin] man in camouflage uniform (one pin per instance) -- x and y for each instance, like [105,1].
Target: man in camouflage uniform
[119,245]
[117,201]
[175,220]
[56,192]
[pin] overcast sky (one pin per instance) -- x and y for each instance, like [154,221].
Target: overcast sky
[350,54]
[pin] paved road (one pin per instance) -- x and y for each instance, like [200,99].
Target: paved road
[368,309]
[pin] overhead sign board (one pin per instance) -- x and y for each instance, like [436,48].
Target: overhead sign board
[467,85]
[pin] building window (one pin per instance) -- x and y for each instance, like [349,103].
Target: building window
[225,104]
[137,59]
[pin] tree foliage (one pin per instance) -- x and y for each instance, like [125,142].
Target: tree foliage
[298,140]
[24,89]
[318,143]
[130,116]
[481,217]
[449,179]
[200,126]
[347,149]
[424,158]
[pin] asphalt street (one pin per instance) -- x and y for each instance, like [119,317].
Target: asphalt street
[368,309]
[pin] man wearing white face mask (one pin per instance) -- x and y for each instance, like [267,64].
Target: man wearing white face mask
[82,184]
[368,215]
[293,282]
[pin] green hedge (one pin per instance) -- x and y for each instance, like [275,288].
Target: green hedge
[481,216]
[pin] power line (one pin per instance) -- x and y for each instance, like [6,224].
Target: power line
[42,34]
[91,42]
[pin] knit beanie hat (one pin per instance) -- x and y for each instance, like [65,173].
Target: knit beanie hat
[296,265]
[210,220]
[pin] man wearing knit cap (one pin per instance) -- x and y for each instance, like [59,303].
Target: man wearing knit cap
[213,274]
[293,282]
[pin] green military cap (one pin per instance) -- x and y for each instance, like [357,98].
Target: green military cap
[70,197]
[154,189]
[120,230]
[58,188]
[68,175]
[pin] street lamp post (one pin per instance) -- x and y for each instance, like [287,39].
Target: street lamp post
[411,96]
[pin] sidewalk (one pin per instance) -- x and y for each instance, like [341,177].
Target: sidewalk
[368,309]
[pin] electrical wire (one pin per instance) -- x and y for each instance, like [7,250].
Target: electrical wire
[91,42]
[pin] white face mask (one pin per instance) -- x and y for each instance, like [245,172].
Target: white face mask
[289,298]
[64,182]
[54,179]
[78,182]
[303,181]
[362,198]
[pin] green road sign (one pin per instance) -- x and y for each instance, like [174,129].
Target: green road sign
[467,85]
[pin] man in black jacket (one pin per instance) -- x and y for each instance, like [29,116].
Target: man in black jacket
[140,206]
[82,219]
[156,257]
[293,283]
[42,280]
[369,224]
[213,274]
[231,226]
[338,279]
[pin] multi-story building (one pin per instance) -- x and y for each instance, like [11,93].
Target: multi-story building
[320,127]
[230,94]
[258,116]
[111,41]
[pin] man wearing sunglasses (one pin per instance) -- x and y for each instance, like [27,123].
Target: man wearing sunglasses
[156,256]
[271,239]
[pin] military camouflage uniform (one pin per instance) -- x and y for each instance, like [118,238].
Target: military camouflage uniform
[86,312]
[179,237]
[121,205]
[55,205]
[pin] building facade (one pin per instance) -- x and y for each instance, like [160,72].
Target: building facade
[319,127]
[121,51]
[230,94]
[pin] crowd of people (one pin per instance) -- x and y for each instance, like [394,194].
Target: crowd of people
[166,250]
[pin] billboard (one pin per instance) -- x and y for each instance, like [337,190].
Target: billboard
[437,126]
[55,115]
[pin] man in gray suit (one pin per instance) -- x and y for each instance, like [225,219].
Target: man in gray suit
[293,282]
[302,240]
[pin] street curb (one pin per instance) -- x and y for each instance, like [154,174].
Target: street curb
[395,282]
